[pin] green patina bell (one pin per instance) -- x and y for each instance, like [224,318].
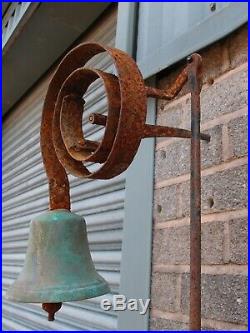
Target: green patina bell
[58,265]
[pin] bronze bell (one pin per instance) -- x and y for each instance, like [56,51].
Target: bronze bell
[58,265]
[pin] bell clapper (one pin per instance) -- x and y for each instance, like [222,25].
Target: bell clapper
[51,308]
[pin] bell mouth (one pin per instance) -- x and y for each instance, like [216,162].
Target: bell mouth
[57,294]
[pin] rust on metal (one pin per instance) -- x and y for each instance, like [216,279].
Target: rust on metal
[66,150]
[98,119]
[64,147]
[195,83]
[173,90]
[158,131]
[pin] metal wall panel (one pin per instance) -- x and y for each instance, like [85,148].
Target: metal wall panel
[169,31]
[137,226]
[25,194]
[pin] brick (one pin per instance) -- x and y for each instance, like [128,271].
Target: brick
[165,203]
[184,199]
[203,328]
[238,241]
[226,190]
[174,159]
[172,245]
[238,46]
[228,53]
[226,144]
[224,297]
[164,291]
[237,129]
[215,60]
[169,115]
[212,243]
[186,119]
[211,152]
[160,324]
[225,96]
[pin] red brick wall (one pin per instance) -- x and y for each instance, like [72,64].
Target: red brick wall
[224,196]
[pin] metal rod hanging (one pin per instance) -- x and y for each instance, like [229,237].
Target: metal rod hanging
[195,197]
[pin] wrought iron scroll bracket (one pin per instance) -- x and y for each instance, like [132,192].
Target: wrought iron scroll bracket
[65,150]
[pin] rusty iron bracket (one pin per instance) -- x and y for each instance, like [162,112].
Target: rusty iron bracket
[65,149]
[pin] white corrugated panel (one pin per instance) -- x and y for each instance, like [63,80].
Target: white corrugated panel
[25,194]
[12,18]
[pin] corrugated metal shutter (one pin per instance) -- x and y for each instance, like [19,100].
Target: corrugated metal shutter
[25,195]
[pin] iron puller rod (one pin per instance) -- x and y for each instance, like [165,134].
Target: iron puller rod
[195,202]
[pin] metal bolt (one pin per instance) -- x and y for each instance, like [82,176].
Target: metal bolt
[189,59]
[212,6]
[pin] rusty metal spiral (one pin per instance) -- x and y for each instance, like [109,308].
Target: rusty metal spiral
[64,148]
[63,145]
